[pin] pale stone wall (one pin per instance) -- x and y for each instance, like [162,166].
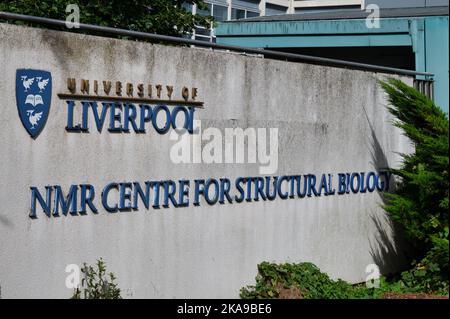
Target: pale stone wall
[330,120]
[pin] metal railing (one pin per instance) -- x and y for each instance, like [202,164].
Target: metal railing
[425,87]
[266,53]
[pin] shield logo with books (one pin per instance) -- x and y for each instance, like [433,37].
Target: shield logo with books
[33,96]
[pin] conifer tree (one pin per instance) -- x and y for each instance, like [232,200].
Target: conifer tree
[420,201]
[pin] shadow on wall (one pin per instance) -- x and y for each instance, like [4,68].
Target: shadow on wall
[389,250]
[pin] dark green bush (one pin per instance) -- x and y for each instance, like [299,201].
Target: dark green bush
[310,281]
[274,280]
[420,201]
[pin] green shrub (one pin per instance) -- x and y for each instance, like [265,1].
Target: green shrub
[306,281]
[97,284]
[420,201]
[430,273]
[310,282]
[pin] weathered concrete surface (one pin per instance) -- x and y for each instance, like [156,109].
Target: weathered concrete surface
[329,119]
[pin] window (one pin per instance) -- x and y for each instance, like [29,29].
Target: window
[237,14]
[202,31]
[251,14]
[220,13]
[203,38]
[205,12]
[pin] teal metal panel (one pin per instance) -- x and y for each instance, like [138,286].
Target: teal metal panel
[417,32]
[319,41]
[310,27]
[436,56]
[330,33]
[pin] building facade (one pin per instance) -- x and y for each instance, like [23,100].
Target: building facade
[413,38]
[227,10]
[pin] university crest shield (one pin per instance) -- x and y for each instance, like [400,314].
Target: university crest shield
[33,96]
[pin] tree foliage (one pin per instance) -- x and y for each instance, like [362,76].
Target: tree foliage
[420,202]
[167,17]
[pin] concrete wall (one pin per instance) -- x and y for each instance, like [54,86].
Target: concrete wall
[330,120]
